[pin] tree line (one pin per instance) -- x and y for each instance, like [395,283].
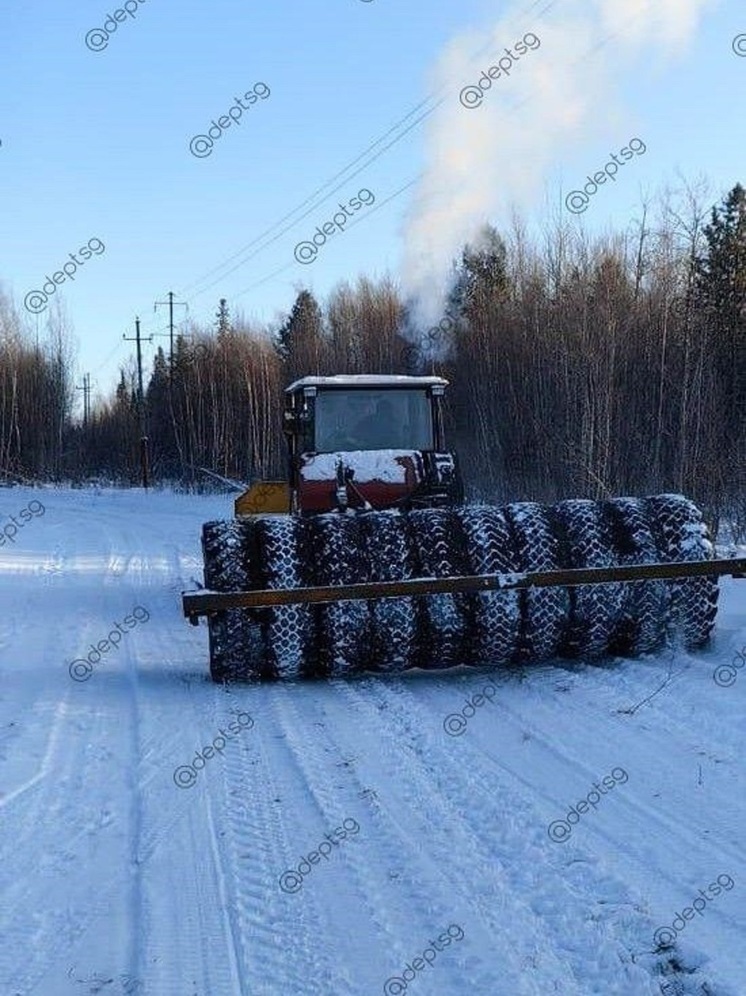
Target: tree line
[579,366]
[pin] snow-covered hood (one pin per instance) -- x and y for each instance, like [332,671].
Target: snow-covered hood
[387,466]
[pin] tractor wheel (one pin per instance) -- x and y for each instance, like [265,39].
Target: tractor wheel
[681,534]
[642,624]
[289,635]
[235,637]
[344,629]
[439,548]
[544,611]
[595,610]
[394,620]
[497,615]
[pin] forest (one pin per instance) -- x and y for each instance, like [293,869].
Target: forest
[578,366]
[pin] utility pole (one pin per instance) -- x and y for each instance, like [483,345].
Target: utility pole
[86,389]
[141,402]
[171,303]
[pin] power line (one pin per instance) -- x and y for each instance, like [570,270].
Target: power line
[548,4]
[311,197]
[171,303]
[86,389]
[305,214]
[141,402]
[357,221]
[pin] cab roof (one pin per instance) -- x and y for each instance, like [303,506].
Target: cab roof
[365,380]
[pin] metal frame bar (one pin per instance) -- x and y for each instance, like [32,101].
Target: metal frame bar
[197,604]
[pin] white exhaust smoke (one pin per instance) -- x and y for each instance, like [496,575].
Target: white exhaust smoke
[490,147]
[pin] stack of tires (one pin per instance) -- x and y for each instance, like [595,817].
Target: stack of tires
[442,631]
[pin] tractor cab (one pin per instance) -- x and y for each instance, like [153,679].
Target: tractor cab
[364,412]
[367,441]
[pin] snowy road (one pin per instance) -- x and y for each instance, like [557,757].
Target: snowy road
[343,837]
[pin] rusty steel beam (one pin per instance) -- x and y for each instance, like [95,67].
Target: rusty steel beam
[197,604]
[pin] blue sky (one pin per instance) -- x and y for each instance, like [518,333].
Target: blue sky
[95,144]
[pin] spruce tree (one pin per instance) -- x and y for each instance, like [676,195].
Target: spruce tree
[720,293]
[299,340]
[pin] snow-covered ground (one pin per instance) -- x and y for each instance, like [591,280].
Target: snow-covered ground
[429,866]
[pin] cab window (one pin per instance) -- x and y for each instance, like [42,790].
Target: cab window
[373,420]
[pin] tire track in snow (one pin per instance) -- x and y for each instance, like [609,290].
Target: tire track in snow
[358,872]
[197,932]
[518,849]
[266,923]
[617,842]
[34,857]
[42,865]
[440,887]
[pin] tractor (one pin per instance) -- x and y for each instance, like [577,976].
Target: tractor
[367,559]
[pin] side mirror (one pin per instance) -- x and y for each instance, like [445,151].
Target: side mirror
[289,423]
[293,422]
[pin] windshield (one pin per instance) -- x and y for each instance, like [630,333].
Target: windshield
[373,420]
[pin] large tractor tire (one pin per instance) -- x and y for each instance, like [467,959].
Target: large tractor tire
[394,621]
[439,548]
[586,540]
[237,646]
[434,632]
[681,534]
[641,628]
[497,615]
[288,630]
[344,629]
[545,612]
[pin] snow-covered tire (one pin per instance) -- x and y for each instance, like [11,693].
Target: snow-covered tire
[288,629]
[642,623]
[544,611]
[445,620]
[394,620]
[681,534]
[225,554]
[235,636]
[595,610]
[344,629]
[497,615]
